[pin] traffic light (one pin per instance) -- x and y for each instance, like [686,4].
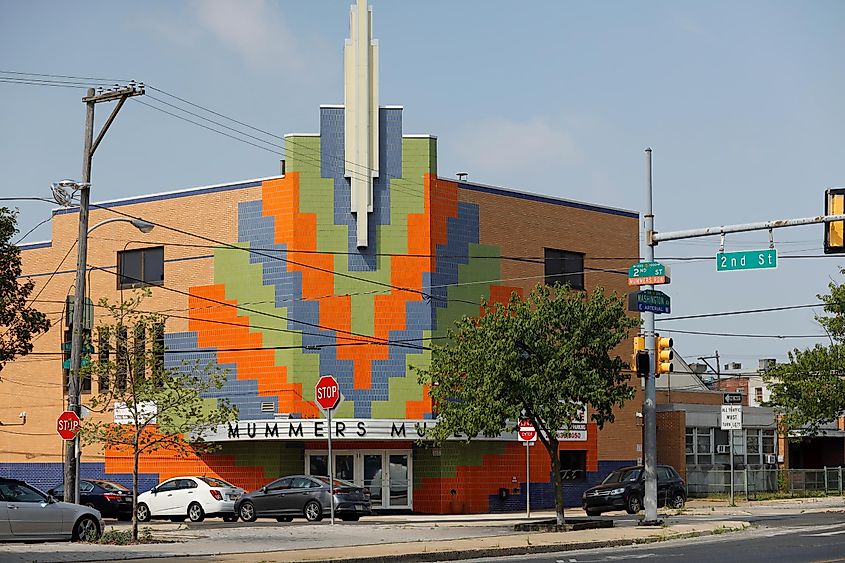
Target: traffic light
[834,232]
[663,354]
[640,360]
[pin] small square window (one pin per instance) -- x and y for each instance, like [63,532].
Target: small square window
[141,267]
[564,267]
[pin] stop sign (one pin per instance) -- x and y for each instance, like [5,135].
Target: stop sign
[67,425]
[327,392]
[526,431]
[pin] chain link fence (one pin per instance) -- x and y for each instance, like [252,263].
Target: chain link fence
[750,481]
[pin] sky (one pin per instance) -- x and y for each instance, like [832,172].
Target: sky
[741,103]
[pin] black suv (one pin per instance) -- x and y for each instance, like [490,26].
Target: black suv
[624,488]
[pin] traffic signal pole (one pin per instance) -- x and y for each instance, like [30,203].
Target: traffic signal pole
[835,203]
[649,404]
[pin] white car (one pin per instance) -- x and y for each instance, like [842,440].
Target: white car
[189,497]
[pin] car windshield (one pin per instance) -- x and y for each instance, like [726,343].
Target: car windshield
[212,482]
[109,486]
[622,476]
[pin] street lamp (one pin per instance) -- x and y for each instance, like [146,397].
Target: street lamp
[73,451]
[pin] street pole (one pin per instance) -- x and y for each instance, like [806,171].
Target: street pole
[649,409]
[331,468]
[73,449]
[527,479]
[731,440]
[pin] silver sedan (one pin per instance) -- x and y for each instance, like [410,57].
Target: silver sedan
[27,514]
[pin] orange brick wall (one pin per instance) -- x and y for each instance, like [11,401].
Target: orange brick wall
[33,384]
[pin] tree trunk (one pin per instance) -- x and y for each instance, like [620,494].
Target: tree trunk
[558,481]
[135,490]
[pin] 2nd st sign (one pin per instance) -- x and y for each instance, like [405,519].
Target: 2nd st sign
[747,260]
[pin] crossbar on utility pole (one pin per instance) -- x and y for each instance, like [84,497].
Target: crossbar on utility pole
[73,450]
[656,237]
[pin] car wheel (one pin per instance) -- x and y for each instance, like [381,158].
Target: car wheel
[142,513]
[86,529]
[634,504]
[313,511]
[350,517]
[247,512]
[593,513]
[678,500]
[230,517]
[195,512]
[284,518]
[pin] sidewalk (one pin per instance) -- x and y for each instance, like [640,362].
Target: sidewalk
[408,537]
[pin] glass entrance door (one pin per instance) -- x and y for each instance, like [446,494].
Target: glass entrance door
[386,473]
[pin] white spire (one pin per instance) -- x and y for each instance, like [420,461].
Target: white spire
[360,92]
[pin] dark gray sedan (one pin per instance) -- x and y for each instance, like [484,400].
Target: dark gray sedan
[304,495]
[27,514]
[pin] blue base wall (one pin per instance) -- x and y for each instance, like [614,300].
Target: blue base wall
[543,494]
[45,476]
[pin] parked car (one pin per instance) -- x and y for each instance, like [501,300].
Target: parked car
[624,488]
[28,514]
[305,495]
[113,500]
[189,497]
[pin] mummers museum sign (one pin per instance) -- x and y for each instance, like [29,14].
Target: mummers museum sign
[348,429]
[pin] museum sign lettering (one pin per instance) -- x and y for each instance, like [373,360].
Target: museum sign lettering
[342,429]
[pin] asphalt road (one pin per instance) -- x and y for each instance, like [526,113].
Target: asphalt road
[801,538]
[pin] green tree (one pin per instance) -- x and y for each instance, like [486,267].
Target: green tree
[809,391]
[541,358]
[19,322]
[160,408]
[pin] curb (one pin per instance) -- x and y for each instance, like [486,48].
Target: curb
[457,554]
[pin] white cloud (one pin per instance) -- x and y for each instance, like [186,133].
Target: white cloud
[502,145]
[255,29]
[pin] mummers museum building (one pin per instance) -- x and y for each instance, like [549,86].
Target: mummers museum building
[350,263]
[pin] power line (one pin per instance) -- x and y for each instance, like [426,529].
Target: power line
[743,312]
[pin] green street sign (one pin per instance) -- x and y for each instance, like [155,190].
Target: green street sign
[746,260]
[646,270]
[649,300]
[648,273]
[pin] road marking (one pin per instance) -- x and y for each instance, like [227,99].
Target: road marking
[836,533]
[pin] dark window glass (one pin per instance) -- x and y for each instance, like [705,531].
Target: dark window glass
[122,368]
[103,353]
[219,483]
[573,465]
[280,483]
[302,483]
[663,474]
[158,351]
[140,349]
[137,268]
[18,492]
[169,485]
[564,268]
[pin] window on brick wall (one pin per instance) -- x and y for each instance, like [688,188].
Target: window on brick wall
[573,465]
[564,267]
[140,267]
[698,445]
